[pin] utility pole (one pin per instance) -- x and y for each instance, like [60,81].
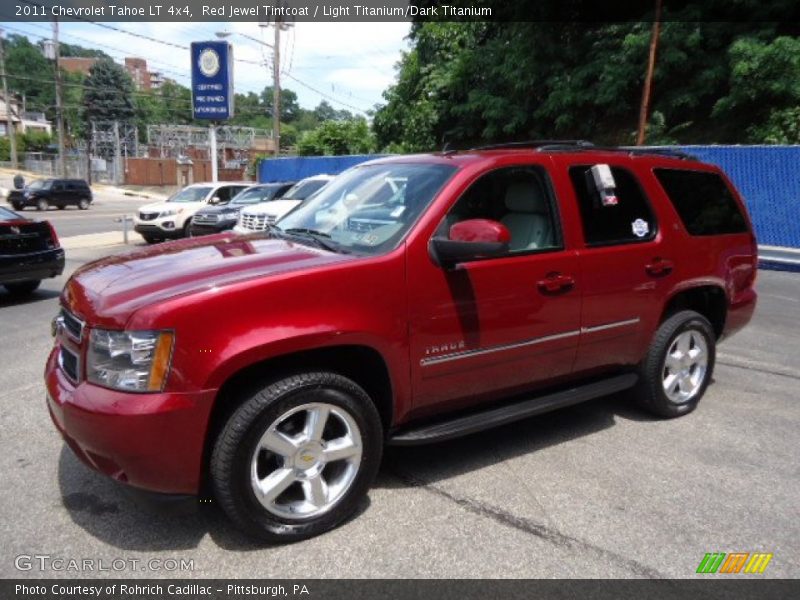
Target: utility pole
[212,150]
[647,92]
[59,103]
[117,155]
[276,88]
[10,129]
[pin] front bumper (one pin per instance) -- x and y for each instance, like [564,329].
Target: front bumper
[154,442]
[208,228]
[31,266]
[154,230]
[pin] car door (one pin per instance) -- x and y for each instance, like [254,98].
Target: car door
[495,326]
[625,264]
[58,194]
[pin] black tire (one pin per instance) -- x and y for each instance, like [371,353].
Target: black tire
[17,206]
[150,239]
[83,203]
[187,228]
[22,288]
[650,392]
[42,205]
[236,446]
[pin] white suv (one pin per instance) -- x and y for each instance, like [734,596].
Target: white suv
[260,216]
[171,218]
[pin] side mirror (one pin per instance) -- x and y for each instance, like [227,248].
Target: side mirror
[468,240]
[214,200]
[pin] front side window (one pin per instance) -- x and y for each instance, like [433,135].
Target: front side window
[254,195]
[629,220]
[303,189]
[368,209]
[41,184]
[520,198]
[703,201]
[190,194]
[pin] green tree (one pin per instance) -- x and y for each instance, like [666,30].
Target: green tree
[108,95]
[337,138]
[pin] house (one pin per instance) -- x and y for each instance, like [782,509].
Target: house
[22,121]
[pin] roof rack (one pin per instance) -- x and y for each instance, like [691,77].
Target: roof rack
[536,144]
[580,145]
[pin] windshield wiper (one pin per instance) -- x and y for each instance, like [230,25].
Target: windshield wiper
[320,238]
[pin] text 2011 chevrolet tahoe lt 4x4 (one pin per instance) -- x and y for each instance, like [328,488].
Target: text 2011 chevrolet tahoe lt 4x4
[415,299]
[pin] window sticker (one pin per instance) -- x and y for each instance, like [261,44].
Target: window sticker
[640,228]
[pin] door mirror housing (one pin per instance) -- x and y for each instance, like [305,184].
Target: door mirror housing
[468,240]
[214,200]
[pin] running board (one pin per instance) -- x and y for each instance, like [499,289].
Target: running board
[509,413]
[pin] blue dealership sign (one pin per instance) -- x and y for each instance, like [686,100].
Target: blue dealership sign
[212,80]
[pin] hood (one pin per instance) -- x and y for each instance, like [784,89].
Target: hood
[108,291]
[161,206]
[273,207]
[220,208]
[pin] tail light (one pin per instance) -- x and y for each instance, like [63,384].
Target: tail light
[54,243]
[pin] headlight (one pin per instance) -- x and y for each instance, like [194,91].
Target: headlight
[136,361]
[167,213]
[228,215]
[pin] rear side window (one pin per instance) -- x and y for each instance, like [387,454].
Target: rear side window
[630,220]
[703,201]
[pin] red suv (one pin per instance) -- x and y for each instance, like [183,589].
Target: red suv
[415,299]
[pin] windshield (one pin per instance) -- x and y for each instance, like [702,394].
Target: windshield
[368,209]
[190,194]
[40,184]
[303,189]
[255,194]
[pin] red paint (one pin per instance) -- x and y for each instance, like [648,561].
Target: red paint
[234,301]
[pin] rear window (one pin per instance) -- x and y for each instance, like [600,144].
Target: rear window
[630,220]
[703,200]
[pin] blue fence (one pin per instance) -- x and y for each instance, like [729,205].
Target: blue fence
[767,176]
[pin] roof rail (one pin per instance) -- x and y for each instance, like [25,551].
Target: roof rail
[634,150]
[536,144]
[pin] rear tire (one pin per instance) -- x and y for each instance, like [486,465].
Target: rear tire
[23,288]
[296,458]
[42,205]
[678,367]
[83,203]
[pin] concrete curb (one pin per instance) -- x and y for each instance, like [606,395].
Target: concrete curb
[98,240]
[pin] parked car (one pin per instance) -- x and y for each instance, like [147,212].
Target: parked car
[44,193]
[29,252]
[261,216]
[171,219]
[453,292]
[215,219]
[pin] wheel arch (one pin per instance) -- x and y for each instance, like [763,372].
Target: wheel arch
[710,300]
[363,364]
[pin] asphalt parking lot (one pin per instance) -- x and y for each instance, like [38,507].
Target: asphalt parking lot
[597,490]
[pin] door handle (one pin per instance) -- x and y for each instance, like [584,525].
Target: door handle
[659,266]
[555,283]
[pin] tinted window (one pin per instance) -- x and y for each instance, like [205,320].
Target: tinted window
[630,220]
[703,201]
[518,197]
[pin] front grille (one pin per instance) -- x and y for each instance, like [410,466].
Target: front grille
[69,364]
[257,222]
[72,325]
[148,216]
[205,219]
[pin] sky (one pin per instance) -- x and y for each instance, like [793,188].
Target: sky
[348,64]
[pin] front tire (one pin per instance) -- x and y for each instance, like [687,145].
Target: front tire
[678,367]
[83,203]
[296,458]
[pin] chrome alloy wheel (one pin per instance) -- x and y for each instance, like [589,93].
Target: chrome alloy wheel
[306,460]
[685,367]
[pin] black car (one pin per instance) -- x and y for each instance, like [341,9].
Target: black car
[44,193]
[29,252]
[215,219]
